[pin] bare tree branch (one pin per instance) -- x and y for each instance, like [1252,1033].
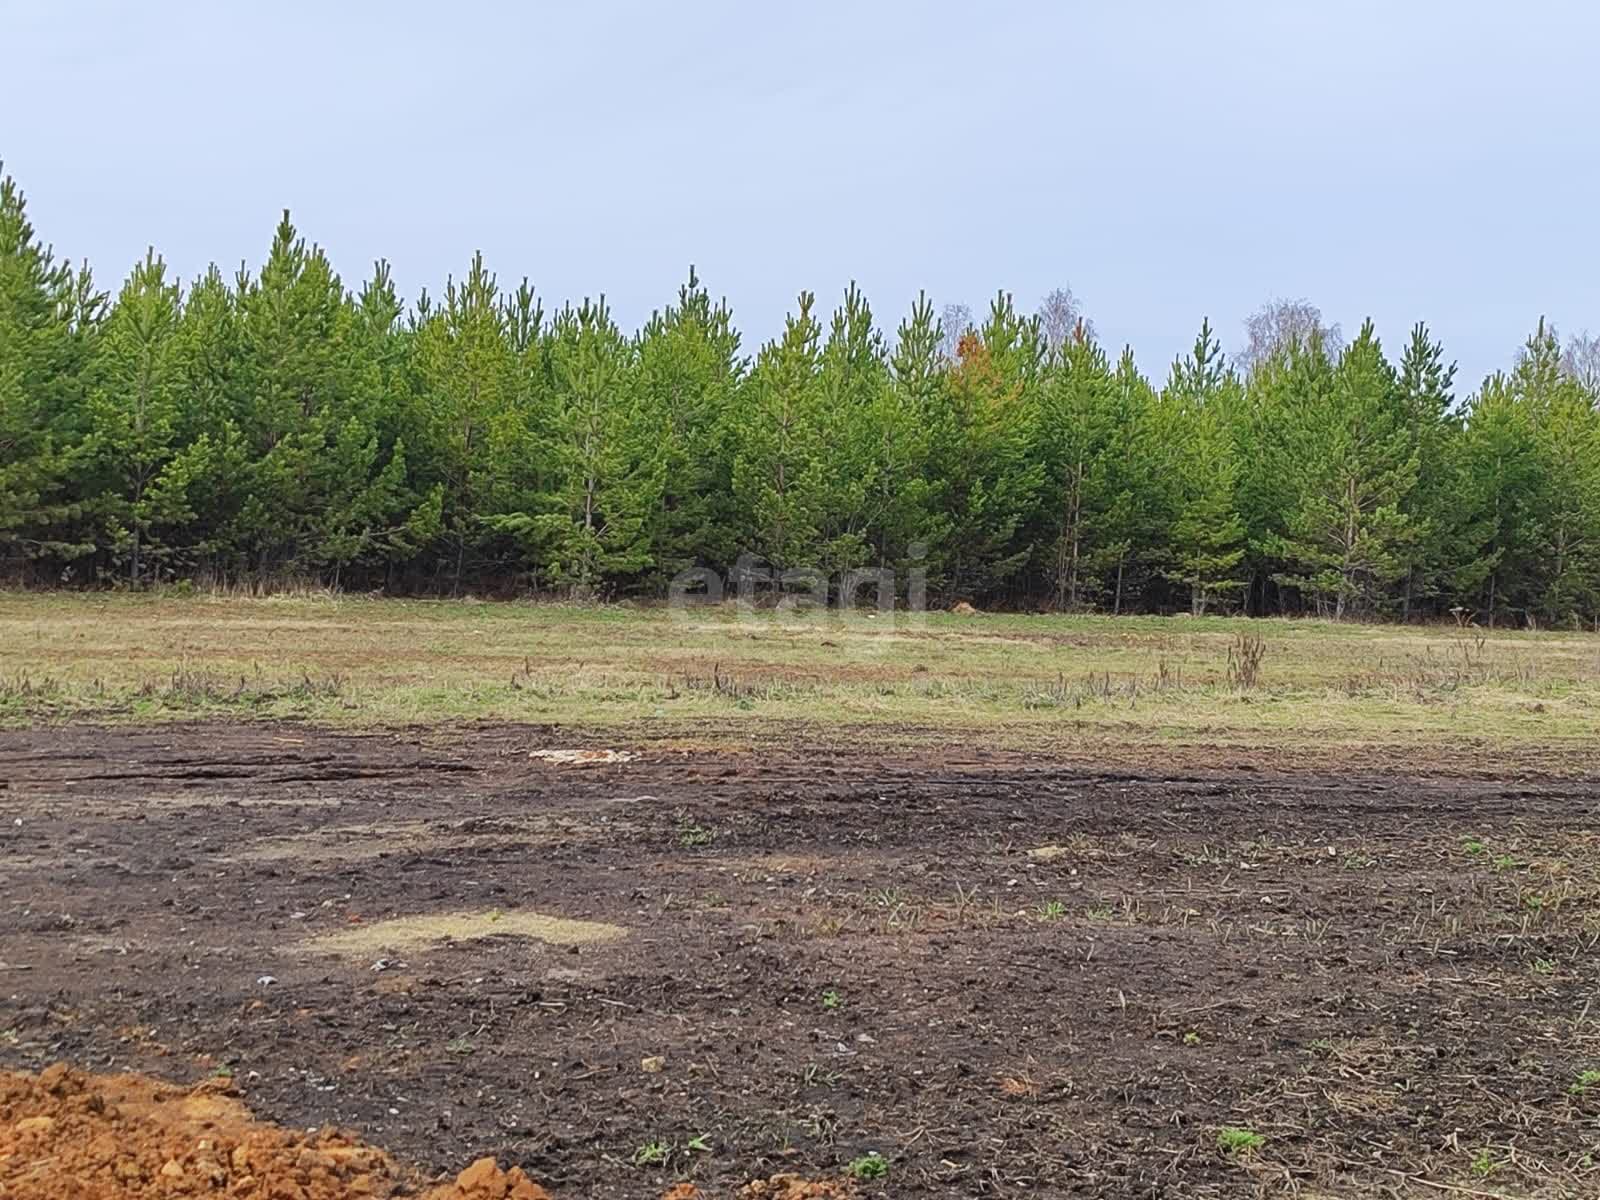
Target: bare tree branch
[1281,322]
[1581,361]
[1059,316]
[954,322]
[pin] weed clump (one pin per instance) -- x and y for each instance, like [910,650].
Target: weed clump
[1235,1141]
[1245,656]
[868,1167]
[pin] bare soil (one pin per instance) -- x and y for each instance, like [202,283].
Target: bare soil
[1008,975]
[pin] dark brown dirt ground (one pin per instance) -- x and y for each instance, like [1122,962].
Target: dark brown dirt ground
[1385,971]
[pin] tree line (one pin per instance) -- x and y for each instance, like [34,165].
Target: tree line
[279,425]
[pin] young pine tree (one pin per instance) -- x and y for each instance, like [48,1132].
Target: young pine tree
[776,445]
[1566,431]
[1287,395]
[206,357]
[980,453]
[139,467]
[689,370]
[1426,404]
[852,379]
[288,382]
[1207,536]
[607,454]
[1497,478]
[907,519]
[1073,432]
[50,316]
[1138,484]
[1351,535]
[481,424]
[371,514]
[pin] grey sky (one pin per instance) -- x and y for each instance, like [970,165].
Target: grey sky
[1169,160]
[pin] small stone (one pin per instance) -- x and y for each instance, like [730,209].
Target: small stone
[173,1169]
[35,1124]
[653,1065]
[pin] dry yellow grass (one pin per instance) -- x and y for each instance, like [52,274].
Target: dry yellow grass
[409,934]
[1018,679]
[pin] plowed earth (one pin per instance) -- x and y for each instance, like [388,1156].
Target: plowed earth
[1005,975]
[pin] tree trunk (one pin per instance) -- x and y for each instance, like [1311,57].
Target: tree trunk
[1074,514]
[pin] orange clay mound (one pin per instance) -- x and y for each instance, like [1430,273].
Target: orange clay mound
[484,1180]
[67,1134]
[64,1134]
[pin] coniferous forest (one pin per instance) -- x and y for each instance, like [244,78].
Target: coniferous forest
[282,425]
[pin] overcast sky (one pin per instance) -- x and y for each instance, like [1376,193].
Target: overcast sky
[1167,160]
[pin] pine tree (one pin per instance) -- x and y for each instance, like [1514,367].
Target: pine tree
[1137,483]
[989,483]
[1199,378]
[1426,403]
[1496,481]
[50,316]
[907,519]
[852,379]
[776,445]
[1071,440]
[1278,430]
[289,382]
[370,513]
[1207,537]
[206,357]
[139,468]
[481,427]
[689,370]
[1351,535]
[1566,432]
[607,454]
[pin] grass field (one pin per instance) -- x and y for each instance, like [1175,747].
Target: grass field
[1024,680]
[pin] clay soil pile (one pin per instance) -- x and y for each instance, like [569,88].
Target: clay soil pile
[64,1133]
